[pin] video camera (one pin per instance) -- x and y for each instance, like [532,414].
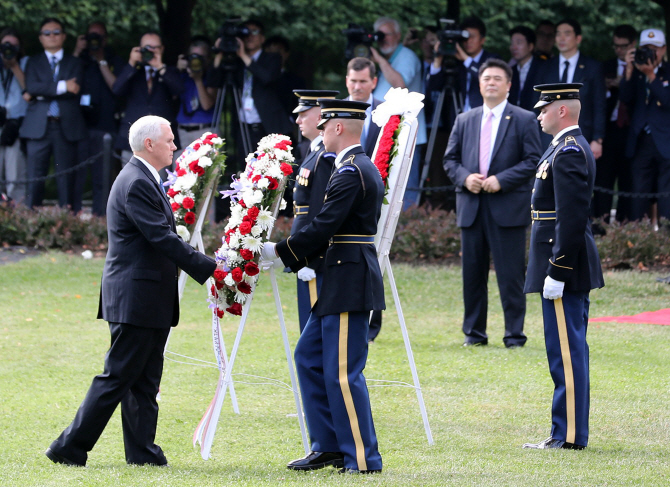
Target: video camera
[9,51]
[359,41]
[449,36]
[228,33]
[645,54]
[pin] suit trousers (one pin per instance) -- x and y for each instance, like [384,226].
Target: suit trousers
[308,293]
[39,155]
[651,173]
[330,357]
[565,324]
[507,245]
[132,375]
[13,168]
[90,146]
[613,167]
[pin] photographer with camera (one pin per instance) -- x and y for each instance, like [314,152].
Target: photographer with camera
[12,110]
[256,74]
[99,106]
[645,88]
[149,86]
[196,102]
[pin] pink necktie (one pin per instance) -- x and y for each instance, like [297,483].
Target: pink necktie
[485,144]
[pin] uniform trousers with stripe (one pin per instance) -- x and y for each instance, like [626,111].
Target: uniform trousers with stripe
[308,293]
[565,325]
[330,357]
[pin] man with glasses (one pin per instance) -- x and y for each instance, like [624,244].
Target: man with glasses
[149,86]
[53,123]
[614,165]
[645,88]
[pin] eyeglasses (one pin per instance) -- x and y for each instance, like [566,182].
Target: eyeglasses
[47,33]
[620,46]
[153,48]
[254,32]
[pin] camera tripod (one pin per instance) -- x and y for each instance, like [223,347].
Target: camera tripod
[221,104]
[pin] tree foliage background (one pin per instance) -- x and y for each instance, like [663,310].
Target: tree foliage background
[314,26]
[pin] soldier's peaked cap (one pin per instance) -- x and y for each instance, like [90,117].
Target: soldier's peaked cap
[353,110]
[310,98]
[557,91]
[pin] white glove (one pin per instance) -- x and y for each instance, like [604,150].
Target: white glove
[306,274]
[268,251]
[553,289]
[266,265]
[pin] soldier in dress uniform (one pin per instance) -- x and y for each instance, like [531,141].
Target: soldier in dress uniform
[563,263]
[310,188]
[331,353]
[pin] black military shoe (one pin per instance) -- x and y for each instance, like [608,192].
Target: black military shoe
[56,458]
[353,471]
[552,443]
[316,460]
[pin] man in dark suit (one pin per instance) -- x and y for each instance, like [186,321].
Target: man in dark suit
[527,67]
[331,353]
[614,165]
[53,123]
[563,263]
[256,75]
[149,86]
[490,157]
[580,69]
[139,299]
[645,88]
[310,188]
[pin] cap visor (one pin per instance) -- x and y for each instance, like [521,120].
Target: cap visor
[301,108]
[541,103]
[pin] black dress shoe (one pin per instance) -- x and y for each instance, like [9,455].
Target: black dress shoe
[552,443]
[56,458]
[467,343]
[353,471]
[316,460]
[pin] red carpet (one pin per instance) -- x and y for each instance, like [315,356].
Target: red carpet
[660,317]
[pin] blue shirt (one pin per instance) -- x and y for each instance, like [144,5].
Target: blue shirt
[408,64]
[190,111]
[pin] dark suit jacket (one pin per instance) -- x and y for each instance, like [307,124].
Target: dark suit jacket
[352,278]
[564,248]
[139,280]
[264,90]
[373,132]
[515,154]
[131,83]
[655,112]
[592,94]
[528,97]
[41,85]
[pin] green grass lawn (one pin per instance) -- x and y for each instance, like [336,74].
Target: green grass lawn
[483,403]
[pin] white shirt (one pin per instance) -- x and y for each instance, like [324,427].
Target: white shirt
[559,135]
[61,87]
[315,143]
[523,73]
[571,67]
[150,167]
[495,122]
[340,156]
[248,112]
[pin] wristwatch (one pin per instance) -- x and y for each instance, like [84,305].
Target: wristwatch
[102,63]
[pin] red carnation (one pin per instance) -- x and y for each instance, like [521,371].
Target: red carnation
[220,274]
[172,193]
[283,144]
[242,203]
[237,274]
[219,285]
[212,290]
[175,206]
[273,183]
[286,168]
[188,203]
[247,255]
[251,268]
[244,288]
[181,172]
[208,141]
[189,218]
[196,146]
[235,309]
[245,228]
[253,212]
[219,312]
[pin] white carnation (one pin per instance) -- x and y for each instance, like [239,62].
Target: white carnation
[186,182]
[275,172]
[256,231]
[234,241]
[217,140]
[282,205]
[229,280]
[204,161]
[179,198]
[183,232]
[263,183]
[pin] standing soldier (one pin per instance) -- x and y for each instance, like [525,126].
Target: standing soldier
[563,263]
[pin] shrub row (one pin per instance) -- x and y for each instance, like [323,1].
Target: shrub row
[424,235]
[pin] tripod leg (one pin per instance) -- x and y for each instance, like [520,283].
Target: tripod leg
[244,130]
[437,112]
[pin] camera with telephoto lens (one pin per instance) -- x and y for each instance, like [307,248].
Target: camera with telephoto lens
[228,33]
[645,54]
[147,54]
[449,37]
[93,41]
[9,51]
[359,41]
[196,63]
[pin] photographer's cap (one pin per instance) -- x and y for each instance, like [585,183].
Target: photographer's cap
[557,91]
[330,108]
[653,37]
[310,98]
